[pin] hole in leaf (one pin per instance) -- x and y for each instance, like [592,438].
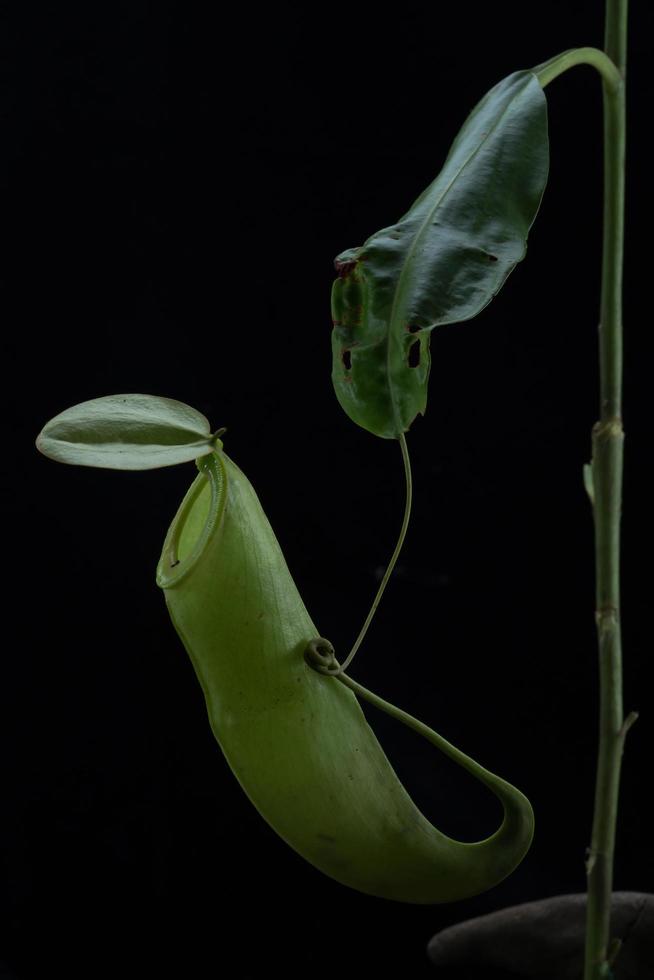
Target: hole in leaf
[414,328]
[346,356]
[414,354]
[492,258]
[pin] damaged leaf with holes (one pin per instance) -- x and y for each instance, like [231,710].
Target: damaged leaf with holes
[442,262]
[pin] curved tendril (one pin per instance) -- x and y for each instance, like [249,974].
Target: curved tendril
[391,564]
[319,654]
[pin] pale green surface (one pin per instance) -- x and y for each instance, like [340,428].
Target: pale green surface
[126,432]
[298,741]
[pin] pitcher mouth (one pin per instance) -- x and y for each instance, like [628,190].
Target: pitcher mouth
[198,516]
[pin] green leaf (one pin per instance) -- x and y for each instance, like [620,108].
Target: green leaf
[127,432]
[442,262]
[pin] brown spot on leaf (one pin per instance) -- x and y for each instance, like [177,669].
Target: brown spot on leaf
[343,269]
[355,315]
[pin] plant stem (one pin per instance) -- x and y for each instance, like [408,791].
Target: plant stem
[607,464]
[549,70]
[398,547]
[603,481]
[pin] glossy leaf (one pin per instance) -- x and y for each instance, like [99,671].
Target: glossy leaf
[127,432]
[442,262]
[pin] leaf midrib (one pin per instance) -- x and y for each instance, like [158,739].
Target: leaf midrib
[413,246]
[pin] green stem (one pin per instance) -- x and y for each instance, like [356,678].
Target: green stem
[607,465]
[551,69]
[504,791]
[604,484]
[394,557]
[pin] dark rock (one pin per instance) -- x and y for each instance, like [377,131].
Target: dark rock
[545,940]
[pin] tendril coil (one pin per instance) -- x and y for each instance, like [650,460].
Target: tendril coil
[321,656]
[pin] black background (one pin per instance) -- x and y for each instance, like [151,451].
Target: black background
[178,182]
